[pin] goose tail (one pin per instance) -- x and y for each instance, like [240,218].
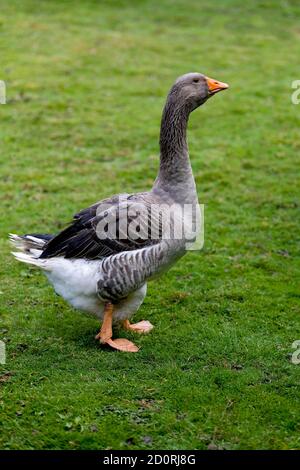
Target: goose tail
[26,243]
[29,248]
[32,258]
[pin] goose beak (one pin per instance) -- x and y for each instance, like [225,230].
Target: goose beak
[214,86]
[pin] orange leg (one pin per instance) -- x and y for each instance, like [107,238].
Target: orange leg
[140,327]
[105,334]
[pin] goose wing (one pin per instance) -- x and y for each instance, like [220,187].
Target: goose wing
[111,226]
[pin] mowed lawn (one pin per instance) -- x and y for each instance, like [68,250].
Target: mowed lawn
[86,83]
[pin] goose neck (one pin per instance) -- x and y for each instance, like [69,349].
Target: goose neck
[175,172]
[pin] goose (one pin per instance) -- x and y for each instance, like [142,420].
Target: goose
[101,262]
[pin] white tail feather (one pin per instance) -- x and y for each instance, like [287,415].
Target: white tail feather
[27,244]
[29,259]
[17,241]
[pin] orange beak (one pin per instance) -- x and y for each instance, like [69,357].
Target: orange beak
[214,86]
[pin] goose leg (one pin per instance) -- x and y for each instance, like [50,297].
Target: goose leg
[141,327]
[105,333]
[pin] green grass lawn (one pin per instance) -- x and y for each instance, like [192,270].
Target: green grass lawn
[86,82]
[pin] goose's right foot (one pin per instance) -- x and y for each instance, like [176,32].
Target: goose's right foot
[105,334]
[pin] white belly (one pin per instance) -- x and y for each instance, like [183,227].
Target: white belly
[76,281]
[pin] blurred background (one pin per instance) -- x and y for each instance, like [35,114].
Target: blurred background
[85,84]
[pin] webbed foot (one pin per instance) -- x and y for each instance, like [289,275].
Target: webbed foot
[142,327]
[105,334]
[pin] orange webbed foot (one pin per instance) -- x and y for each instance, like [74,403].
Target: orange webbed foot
[123,344]
[142,327]
[105,334]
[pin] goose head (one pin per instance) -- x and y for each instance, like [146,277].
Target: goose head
[193,89]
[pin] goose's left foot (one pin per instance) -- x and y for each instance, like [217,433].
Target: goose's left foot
[141,327]
[123,344]
[105,334]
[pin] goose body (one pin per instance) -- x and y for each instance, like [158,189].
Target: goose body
[76,281]
[102,261]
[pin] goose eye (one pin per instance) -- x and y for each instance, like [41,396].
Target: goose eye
[196,80]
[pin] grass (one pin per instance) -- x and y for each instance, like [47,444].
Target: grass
[86,82]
